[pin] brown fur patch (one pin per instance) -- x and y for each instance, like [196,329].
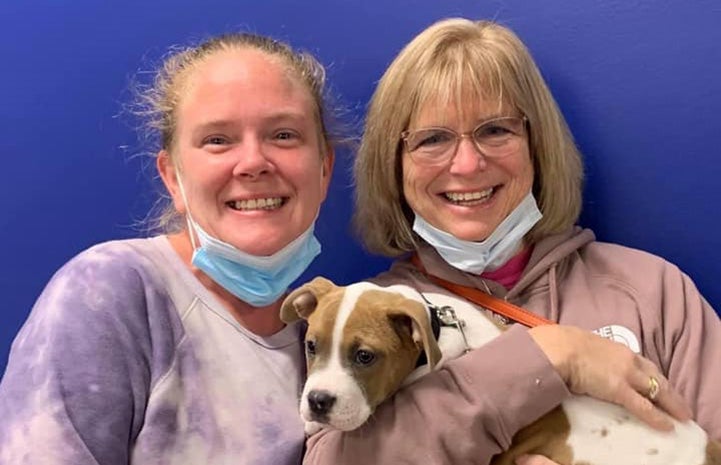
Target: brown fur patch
[303,301]
[320,328]
[713,453]
[371,327]
[546,436]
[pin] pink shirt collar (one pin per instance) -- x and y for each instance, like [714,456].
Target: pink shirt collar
[510,273]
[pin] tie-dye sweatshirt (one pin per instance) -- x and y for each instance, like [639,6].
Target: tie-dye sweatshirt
[127,359]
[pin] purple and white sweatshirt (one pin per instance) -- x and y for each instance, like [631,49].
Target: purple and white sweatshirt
[127,359]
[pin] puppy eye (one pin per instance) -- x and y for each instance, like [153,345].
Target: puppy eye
[364,357]
[310,348]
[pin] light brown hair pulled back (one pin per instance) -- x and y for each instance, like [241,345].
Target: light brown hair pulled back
[157,103]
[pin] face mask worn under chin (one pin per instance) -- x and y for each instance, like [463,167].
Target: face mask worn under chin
[490,254]
[259,281]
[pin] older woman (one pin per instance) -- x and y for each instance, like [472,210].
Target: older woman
[467,164]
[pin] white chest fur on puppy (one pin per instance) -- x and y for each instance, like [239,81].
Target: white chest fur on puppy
[363,342]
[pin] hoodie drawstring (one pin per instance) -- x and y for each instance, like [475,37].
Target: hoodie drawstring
[553,314]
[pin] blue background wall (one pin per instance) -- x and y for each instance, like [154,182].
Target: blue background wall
[639,82]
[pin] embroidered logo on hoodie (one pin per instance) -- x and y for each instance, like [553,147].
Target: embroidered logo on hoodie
[620,334]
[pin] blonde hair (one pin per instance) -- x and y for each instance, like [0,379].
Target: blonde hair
[441,66]
[157,103]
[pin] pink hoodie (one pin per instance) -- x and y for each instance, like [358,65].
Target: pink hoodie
[469,410]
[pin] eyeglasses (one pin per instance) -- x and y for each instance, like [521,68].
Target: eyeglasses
[494,138]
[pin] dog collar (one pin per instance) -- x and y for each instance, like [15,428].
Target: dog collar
[442,316]
[435,320]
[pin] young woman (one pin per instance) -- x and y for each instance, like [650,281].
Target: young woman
[170,350]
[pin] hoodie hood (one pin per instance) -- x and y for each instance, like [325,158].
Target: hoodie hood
[547,258]
[548,254]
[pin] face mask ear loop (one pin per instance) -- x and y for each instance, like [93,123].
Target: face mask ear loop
[322,179]
[188,217]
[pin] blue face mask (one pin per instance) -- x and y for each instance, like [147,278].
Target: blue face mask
[259,281]
[487,255]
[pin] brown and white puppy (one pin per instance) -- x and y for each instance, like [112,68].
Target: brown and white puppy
[363,342]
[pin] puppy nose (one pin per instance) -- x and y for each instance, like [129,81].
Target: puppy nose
[320,402]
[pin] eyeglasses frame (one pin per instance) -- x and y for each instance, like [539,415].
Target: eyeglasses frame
[468,134]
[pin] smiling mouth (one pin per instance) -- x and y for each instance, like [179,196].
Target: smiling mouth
[269,203]
[469,198]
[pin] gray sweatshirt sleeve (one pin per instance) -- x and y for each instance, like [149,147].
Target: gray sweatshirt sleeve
[466,412]
[79,371]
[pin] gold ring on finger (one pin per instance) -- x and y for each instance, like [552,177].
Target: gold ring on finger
[653,388]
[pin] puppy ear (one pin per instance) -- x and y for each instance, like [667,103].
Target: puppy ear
[420,328]
[302,302]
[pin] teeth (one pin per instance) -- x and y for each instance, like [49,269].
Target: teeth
[270,203]
[468,196]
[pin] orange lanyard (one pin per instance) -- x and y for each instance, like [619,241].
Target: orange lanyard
[485,300]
